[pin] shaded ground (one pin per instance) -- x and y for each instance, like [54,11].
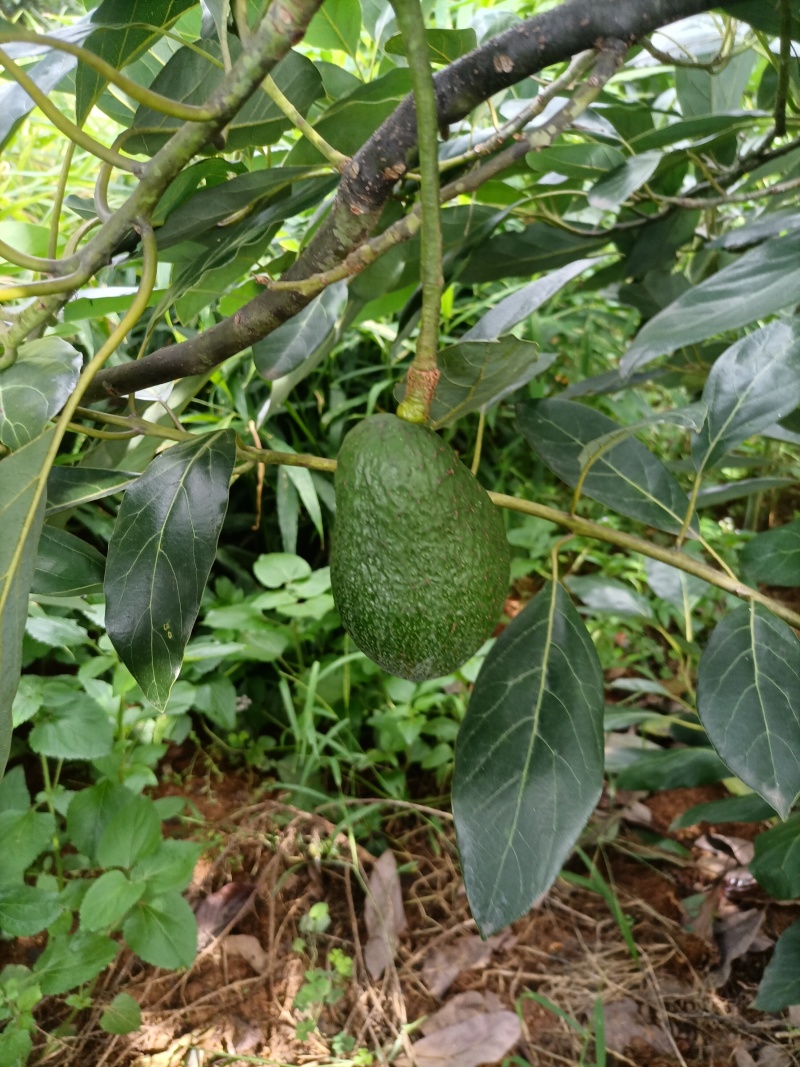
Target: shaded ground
[565,970]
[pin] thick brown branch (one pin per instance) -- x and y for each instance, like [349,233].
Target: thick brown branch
[367,181]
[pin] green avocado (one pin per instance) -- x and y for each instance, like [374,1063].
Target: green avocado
[419,557]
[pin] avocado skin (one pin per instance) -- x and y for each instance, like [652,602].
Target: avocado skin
[419,557]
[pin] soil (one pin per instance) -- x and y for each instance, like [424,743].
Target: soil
[560,968]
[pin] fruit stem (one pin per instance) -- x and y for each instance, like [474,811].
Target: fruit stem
[423,373]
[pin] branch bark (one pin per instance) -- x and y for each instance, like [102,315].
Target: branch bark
[368,179]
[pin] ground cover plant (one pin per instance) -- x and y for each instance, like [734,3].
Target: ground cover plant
[541,262]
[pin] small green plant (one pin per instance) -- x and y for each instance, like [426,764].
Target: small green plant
[322,986]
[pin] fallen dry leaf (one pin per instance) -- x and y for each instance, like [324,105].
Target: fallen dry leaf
[624,1025]
[250,950]
[460,1008]
[443,964]
[384,916]
[485,1038]
[736,934]
[217,910]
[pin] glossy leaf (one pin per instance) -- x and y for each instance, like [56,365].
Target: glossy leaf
[477,374]
[68,487]
[780,986]
[336,26]
[301,337]
[614,188]
[773,557]
[529,758]
[517,307]
[776,863]
[20,477]
[748,698]
[163,932]
[125,29]
[160,555]
[725,301]
[754,383]
[35,387]
[66,565]
[628,478]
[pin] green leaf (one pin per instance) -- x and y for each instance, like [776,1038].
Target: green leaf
[695,129]
[678,588]
[90,812]
[608,594]
[68,487]
[303,336]
[529,758]
[776,863]
[614,189]
[275,569]
[701,92]
[725,301]
[66,565]
[35,387]
[477,374]
[169,868]
[628,478]
[444,46]
[108,900]
[70,960]
[25,910]
[122,1016]
[773,557]
[780,986]
[132,832]
[751,385]
[711,496]
[16,103]
[753,232]
[163,932]
[24,835]
[20,482]
[747,808]
[160,555]
[337,26]
[748,698]
[191,77]
[55,630]
[99,301]
[579,161]
[129,27]
[217,701]
[14,794]
[675,768]
[536,249]
[70,725]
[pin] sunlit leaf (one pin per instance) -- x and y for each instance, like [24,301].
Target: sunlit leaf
[336,26]
[444,45]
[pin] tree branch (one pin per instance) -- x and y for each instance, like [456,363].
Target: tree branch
[367,181]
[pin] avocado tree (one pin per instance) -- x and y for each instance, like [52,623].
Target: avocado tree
[261,183]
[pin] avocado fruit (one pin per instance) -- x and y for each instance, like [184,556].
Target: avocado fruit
[419,556]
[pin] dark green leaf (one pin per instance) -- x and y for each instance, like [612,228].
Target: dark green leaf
[163,932]
[712,495]
[770,224]
[581,161]
[336,26]
[690,417]
[538,248]
[130,834]
[675,768]
[23,836]
[444,45]
[477,374]
[753,383]
[608,594]
[700,130]
[678,588]
[160,555]
[122,1016]
[72,959]
[725,301]
[67,487]
[628,478]
[614,188]
[66,565]
[780,985]
[748,698]
[35,387]
[748,808]
[301,337]
[773,557]
[776,863]
[108,900]
[125,29]
[529,758]
[763,15]
[25,910]
[71,725]
[21,522]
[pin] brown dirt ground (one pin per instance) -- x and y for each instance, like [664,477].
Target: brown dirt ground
[568,949]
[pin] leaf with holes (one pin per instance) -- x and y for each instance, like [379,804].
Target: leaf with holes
[748,699]
[529,758]
[35,387]
[160,555]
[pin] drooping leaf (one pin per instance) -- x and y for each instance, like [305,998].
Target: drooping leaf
[163,932]
[754,383]
[15,103]
[72,959]
[780,986]
[477,374]
[754,231]
[609,594]
[68,487]
[21,517]
[35,387]
[529,758]
[773,557]
[160,555]
[748,698]
[725,301]
[747,808]
[713,495]
[513,309]
[66,565]
[776,863]
[126,28]
[614,188]
[336,26]
[302,336]
[628,478]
